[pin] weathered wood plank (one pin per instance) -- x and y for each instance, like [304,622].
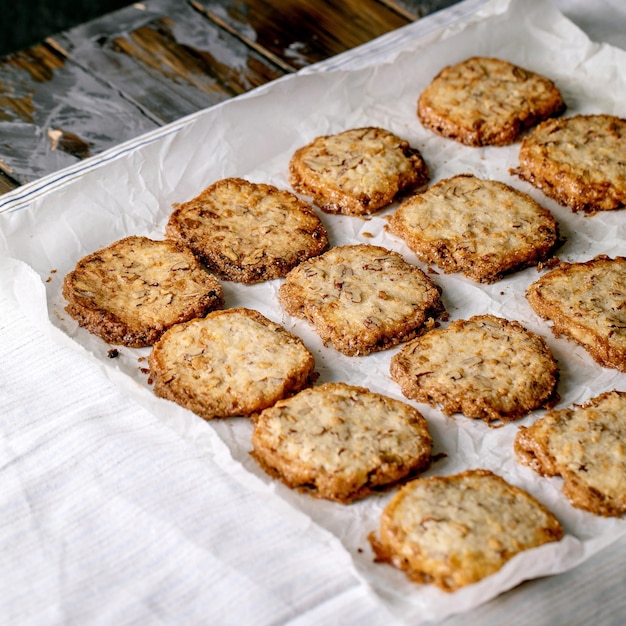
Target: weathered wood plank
[167,57]
[7,183]
[301,32]
[415,9]
[53,113]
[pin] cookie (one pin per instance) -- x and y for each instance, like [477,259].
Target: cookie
[361,298]
[340,442]
[586,302]
[485,367]
[453,531]
[232,362]
[485,101]
[480,228]
[586,446]
[130,292]
[248,232]
[578,161]
[356,172]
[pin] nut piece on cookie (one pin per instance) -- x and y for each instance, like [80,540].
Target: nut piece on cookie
[362,298]
[455,530]
[578,161]
[481,228]
[232,362]
[356,172]
[130,292]
[586,446]
[486,367]
[485,101]
[586,302]
[248,232]
[340,442]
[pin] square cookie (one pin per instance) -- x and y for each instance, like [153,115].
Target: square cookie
[356,172]
[586,302]
[453,531]
[487,101]
[130,292]
[248,232]
[361,298]
[341,442]
[481,228]
[485,367]
[586,446]
[230,363]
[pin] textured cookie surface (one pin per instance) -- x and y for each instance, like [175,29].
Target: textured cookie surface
[356,172]
[485,101]
[339,441]
[485,367]
[248,232]
[456,530]
[586,446]
[130,292]
[586,302]
[578,161]
[232,362]
[361,298]
[481,228]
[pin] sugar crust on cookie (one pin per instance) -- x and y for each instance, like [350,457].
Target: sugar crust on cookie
[131,291]
[232,362]
[358,171]
[453,531]
[487,101]
[341,442]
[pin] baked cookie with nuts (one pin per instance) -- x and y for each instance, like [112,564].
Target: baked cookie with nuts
[358,171]
[586,302]
[586,446]
[233,362]
[481,228]
[484,101]
[362,298]
[486,367]
[453,531]
[341,442]
[248,232]
[578,161]
[133,290]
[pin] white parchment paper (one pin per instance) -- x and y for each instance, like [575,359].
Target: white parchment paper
[49,226]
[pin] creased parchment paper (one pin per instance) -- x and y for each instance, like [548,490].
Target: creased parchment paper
[253,137]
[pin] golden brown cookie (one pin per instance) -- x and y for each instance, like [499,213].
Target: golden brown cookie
[232,362]
[361,298]
[578,161]
[356,172]
[340,442]
[130,292]
[481,228]
[453,531]
[586,446]
[248,232]
[485,367]
[586,302]
[485,101]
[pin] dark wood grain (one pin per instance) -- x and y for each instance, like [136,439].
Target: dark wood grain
[53,113]
[302,32]
[167,57]
[112,79]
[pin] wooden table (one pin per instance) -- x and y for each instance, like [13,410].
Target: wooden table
[92,87]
